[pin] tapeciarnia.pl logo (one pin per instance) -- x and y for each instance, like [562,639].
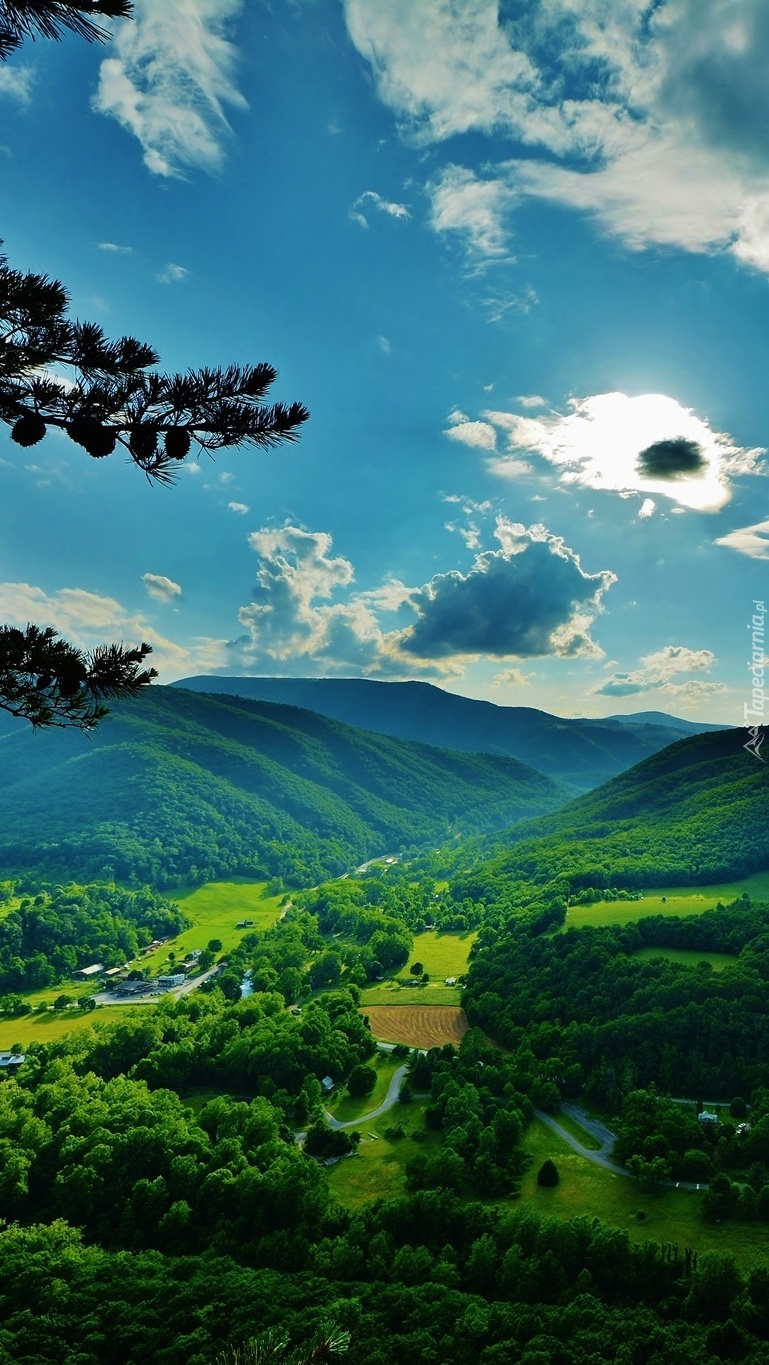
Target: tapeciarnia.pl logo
[757,664]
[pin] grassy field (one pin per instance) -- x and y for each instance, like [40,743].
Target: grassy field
[378,1171]
[347,1109]
[51,1025]
[441,955]
[581,1134]
[587,1190]
[417,1025]
[215,910]
[689,957]
[668,900]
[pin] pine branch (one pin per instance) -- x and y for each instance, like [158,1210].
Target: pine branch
[49,682]
[22,19]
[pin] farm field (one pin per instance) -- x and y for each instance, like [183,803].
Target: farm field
[417,1025]
[215,910]
[689,957]
[587,1190]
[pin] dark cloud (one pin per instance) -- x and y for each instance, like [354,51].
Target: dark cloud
[671,459]
[534,602]
[621,685]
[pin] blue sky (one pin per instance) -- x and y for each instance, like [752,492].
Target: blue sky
[514,259]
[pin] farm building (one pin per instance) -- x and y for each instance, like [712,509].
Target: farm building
[707,1117]
[11,1061]
[177,979]
[86,973]
[327,1084]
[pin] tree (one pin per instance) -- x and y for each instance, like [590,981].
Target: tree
[547,1175]
[361,1081]
[416,969]
[118,398]
[20,19]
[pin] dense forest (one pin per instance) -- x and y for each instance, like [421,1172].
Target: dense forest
[696,812]
[51,934]
[183,787]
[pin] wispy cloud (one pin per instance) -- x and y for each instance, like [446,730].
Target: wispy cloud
[371,200]
[473,208]
[16,83]
[752,541]
[115,248]
[172,274]
[240,508]
[385,345]
[171,80]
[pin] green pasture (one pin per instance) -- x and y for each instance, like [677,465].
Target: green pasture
[689,957]
[346,1109]
[441,955]
[378,1170]
[668,900]
[215,910]
[51,1025]
[586,1190]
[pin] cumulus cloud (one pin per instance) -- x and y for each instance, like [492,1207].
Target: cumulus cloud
[531,400]
[170,81]
[88,619]
[660,672]
[240,508]
[480,435]
[646,444]
[160,588]
[652,119]
[531,597]
[173,274]
[371,200]
[647,508]
[510,677]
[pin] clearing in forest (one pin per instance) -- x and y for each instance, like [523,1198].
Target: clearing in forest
[417,1025]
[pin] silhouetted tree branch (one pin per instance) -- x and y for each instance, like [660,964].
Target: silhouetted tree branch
[55,372]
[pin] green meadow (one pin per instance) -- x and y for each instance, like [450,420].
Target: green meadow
[50,1025]
[668,900]
[586,1190]
[378,1170]
[346,1109]
[441,955]
[689,957]
[215,910]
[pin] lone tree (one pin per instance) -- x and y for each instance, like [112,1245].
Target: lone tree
[547,1175]
[118,400]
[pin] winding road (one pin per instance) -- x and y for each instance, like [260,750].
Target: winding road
[387,1103]
[601,1156]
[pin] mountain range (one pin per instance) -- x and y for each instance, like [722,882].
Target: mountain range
[177,786]
[581,753]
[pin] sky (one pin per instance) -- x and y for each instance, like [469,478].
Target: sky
[514,258]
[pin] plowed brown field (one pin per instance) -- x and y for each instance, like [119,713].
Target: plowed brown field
[417,1025]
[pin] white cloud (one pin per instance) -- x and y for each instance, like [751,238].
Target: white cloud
[88,619]
[240,508]
[173,274]
[658,673]
[159,587]
[510,677]
[113,247]
[529,597]
[385,345]
[370,199]
[16,83]
[474,208]
[748,540]
[650,118]
[531,400]
[480,435]
[646,444]
[647,508]
[171,80]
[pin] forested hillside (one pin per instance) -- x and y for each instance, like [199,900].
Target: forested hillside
[697,812]
[178,787]
[582,753]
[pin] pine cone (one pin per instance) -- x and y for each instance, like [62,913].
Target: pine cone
[143,442]
[28,430]
[177,443]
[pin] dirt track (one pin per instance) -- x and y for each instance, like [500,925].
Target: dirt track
[417,1025]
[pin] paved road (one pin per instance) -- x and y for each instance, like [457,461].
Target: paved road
[109,997]
[389,1100]
[601,1156]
